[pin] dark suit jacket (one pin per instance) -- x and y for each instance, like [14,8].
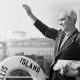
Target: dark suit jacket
[70,49]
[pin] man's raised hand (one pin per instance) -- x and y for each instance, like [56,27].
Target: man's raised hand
[29,12]
[28,9]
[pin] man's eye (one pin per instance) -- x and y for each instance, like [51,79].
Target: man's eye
[62,19]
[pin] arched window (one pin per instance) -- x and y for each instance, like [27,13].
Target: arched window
[19,72]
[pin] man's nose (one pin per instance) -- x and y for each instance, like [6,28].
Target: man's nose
[61,24]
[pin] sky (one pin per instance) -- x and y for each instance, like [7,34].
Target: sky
[13,17]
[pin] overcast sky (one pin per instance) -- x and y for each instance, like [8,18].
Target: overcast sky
[13,16]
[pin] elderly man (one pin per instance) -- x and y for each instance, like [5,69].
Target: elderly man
[67,47]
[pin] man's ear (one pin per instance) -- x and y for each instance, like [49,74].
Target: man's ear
[72,20]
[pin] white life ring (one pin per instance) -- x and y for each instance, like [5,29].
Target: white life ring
[21,62]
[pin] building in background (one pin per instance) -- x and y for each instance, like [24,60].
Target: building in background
[41,50]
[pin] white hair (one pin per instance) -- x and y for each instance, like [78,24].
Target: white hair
[72,14]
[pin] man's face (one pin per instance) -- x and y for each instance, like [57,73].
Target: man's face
[64,21]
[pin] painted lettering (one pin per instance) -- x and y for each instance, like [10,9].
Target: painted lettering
[34,67]
[3,72]
[4,69]
[26,64]
[24,61]
[30,65]
[38,69]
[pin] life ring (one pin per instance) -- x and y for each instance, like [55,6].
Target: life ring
[21,62]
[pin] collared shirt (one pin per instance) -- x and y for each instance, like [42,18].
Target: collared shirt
[67,36]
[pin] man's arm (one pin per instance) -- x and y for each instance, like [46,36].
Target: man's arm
[46,31]
[72,68]
[29,12]
[68,67]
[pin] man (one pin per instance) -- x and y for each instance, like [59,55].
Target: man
[67,48]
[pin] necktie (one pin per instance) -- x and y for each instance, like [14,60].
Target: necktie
[61,38]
